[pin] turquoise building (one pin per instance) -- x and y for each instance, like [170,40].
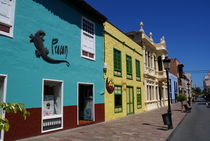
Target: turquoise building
[52,61]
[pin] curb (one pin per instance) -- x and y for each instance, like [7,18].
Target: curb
[174,131]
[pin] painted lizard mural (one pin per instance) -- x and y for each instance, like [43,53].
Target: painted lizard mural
[41,51]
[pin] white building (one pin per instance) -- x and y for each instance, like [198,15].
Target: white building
[154,74]
[188,85]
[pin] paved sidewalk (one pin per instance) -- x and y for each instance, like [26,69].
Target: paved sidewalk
[147,126]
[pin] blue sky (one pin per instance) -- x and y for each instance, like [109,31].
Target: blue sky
[185,24]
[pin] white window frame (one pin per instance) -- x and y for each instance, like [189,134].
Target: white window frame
[4,100]
[11,23]
[85,83]
[54,116]
[94,41]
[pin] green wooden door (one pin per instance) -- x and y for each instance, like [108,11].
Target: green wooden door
[130,100]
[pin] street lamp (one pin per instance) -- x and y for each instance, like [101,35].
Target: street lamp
[166,63]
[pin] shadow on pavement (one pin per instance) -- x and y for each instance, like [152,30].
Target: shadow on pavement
[176,110]
[164,129]
[158,126]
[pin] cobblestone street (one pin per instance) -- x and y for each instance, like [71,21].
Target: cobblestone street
[147,126]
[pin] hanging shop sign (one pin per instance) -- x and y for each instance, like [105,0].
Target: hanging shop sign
[109,85]
[42,51]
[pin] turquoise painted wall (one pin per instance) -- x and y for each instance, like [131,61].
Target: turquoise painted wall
[25,71]
[1,90]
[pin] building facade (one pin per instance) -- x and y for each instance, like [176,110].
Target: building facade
[176,68]
[154,72]
[189,84]
[206,84]
[173,87]
[57,72]
[124,94]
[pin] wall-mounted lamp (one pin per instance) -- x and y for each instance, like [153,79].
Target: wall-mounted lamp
[105,67]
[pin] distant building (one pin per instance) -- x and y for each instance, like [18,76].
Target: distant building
[173,87]
[154,74]
[189,84]
[176,68]
[206,83]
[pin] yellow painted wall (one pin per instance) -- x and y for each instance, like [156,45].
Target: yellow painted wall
[114,38]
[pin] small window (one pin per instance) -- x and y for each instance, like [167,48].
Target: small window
[148,59]
[118,99]
[117,63]
[7,12]
[88,39]
[170,85]
[138,92]
[155,65]
[175,87]
[160,64]
[129,67]
[138,71]
[52,109]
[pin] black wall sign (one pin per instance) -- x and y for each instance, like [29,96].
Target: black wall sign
[59,49]
[41,51]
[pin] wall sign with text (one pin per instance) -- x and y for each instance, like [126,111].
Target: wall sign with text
[42,51]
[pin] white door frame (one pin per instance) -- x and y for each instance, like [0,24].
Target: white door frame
[85,83]
[4,99]
[61,115]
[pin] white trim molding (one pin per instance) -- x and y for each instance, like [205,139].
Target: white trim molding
[7,14]
[55,119]
[88,39]
[4,92]
[85,83]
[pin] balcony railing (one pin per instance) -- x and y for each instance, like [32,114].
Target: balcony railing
[150,71]
[161,75]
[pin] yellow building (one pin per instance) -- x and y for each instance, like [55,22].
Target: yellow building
[123,69]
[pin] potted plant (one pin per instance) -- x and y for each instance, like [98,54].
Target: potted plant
[181,98]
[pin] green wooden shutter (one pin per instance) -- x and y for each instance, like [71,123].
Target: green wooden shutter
[129,66]
[117,63]
[138,71]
